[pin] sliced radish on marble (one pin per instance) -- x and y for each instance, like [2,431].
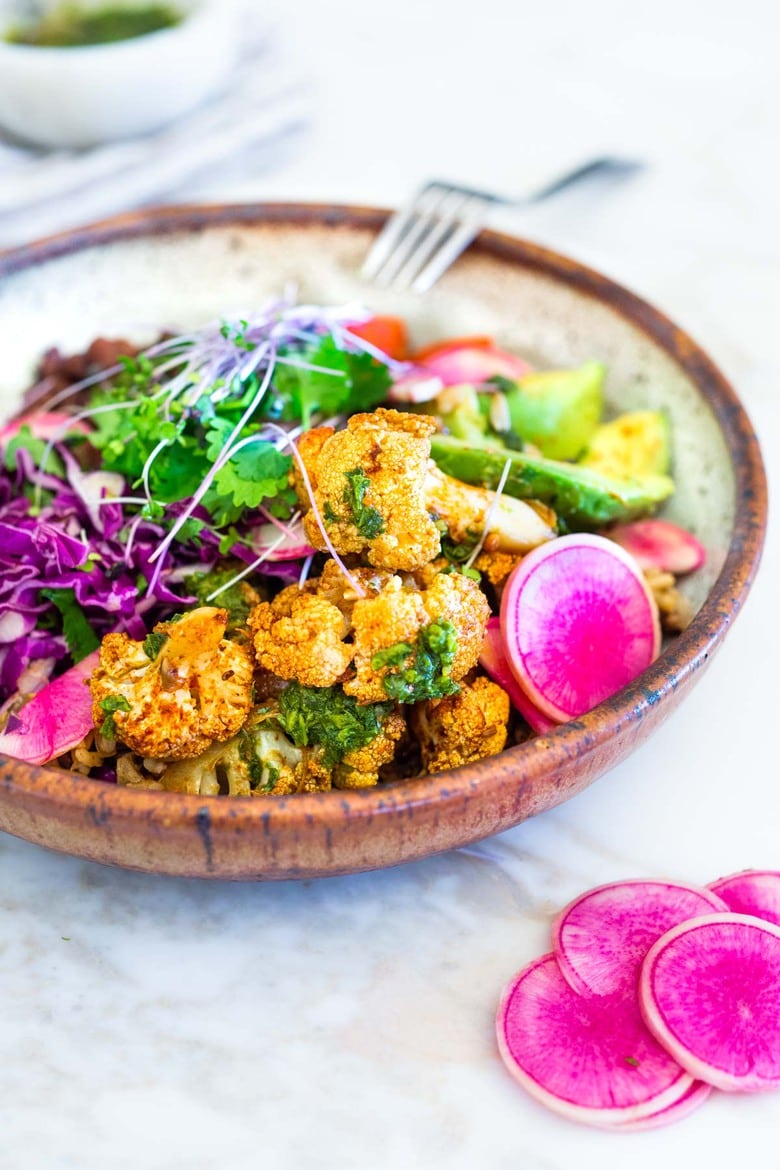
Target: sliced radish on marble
[601,938]
[589,1058]
[710,993]
[754,891]
[696,1096]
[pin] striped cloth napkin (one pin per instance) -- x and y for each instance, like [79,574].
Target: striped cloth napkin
[250,128]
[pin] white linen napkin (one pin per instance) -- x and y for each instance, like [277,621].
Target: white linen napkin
[248,129]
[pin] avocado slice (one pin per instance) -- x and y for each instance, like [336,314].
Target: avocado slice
[557,410]
[632,445]
[583,499]
[461,411]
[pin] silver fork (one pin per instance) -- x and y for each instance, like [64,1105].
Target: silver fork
[419,243]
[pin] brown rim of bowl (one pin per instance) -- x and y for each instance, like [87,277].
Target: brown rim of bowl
[542,754]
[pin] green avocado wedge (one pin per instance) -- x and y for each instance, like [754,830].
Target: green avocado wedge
[582,499]
[632,445]
[558,410]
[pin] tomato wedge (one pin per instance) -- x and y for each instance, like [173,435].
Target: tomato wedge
[386,333]
[447,346]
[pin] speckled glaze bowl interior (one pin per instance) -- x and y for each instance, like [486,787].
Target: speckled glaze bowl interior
[135,275]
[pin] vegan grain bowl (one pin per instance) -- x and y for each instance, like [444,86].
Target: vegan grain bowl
[290,552]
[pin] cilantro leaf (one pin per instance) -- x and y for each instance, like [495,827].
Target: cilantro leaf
[24,440]
[153,644]
[109,706]
[255,473]
[367,520]
[79,635]
[354,381]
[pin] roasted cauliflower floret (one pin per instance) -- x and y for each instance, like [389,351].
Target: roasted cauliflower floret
[301,744]
[259,761]
[462,728]
[368,481]
[455,598]
[172,695]
[409,637]
[380,496]
[496,566]
[360,768]
[299,635]
[417,638]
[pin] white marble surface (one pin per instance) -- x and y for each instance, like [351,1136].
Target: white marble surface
[150,1024]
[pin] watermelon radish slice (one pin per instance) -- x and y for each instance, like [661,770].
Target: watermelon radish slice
[696,1096]
[55,720]
[710,993]
[493,661]
[44,425]
[416,385]
[578,623]
[753,891]
[601,938]
[474,364]
[659,544]
[589,1058]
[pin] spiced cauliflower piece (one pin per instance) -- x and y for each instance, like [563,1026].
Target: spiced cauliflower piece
[496,566]
[177,692]
[309,739]
[300,635]
[368,482]
[417,637]
[360,767]
[409,636]
[462,728]
[261,760]
[380,496]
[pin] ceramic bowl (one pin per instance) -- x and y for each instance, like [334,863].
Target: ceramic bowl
[80,97]
[178,267]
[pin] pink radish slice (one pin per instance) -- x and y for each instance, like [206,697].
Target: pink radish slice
[578,623]
[659,544]
[696,1096]
[753,891]
[46,425]
[601,938]
[54,721]
[587,1057]
[493,662]
[419,385]
[475,364]
[710,993]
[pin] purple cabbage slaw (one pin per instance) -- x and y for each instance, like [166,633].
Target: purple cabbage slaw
[100,552]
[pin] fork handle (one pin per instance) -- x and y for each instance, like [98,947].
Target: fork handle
[595,168]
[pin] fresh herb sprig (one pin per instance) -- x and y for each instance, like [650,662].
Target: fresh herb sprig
[326,717]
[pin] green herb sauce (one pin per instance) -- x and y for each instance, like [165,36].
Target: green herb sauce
[70,26]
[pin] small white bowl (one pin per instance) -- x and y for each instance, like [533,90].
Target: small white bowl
[79,97]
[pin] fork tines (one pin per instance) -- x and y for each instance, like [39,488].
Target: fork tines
[420,242]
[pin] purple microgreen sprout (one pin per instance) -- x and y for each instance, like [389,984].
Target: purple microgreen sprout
[265,554]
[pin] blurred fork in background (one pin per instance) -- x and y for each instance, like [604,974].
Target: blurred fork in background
[419,242]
